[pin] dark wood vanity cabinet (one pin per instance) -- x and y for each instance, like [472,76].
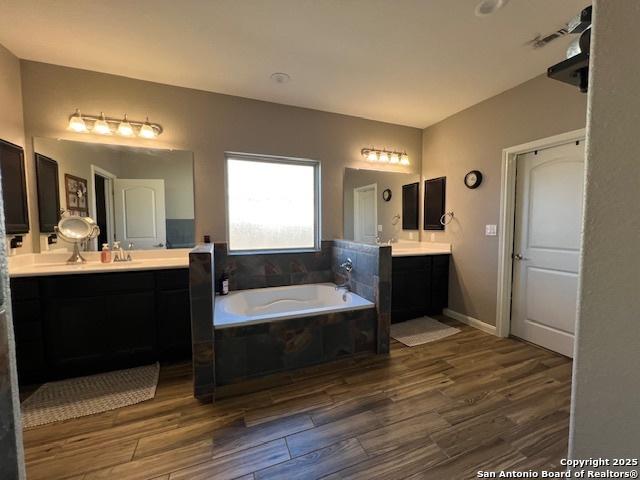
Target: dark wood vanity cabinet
[73,325]
[419,286]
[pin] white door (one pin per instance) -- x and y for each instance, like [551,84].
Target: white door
[546,249]
[365,214]
[140,213]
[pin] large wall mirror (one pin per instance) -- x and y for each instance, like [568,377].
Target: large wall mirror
[374,203]
[136,195]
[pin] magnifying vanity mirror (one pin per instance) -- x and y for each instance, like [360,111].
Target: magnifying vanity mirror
[137,196]
[76,230]
[378,206]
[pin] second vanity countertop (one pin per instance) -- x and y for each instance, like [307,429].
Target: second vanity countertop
[416,249]
[54,263]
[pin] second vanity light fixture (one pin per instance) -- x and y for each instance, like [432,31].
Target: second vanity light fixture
[385,156]
[102,125]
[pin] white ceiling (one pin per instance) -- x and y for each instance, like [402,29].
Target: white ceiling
[411,62]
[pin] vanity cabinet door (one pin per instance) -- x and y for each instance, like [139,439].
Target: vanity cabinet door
[173,317]
[410,287]
[76,333]
[440,284]
[174,324]
[131,336]
[27,327]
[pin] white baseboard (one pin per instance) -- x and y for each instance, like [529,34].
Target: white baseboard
[472,322]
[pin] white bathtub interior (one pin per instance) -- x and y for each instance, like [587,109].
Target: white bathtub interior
[260,305]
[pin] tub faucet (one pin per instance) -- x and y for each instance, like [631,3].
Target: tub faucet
[347,266]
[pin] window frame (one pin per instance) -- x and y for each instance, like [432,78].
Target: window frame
[317,185]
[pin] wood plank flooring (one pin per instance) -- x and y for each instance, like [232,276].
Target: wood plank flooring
[443,410]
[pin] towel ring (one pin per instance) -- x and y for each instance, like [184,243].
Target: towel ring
[443,218]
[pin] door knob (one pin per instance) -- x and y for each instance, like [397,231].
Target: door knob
[517,256]
[160,245]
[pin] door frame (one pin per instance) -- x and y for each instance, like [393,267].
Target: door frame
[109,177]
[356,207]
[506,221]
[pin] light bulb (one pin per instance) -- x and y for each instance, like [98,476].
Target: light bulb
[395,158]
[125,129]
[372,156]
[146,130]
[101,126]
[384,157]
[404,159]
[76,123]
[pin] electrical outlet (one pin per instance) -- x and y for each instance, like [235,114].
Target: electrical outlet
[432,237]
[490,230]
[410,235]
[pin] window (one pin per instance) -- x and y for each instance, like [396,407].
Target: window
[273,203]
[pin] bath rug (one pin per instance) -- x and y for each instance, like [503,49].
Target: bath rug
[78,397]
[421,330]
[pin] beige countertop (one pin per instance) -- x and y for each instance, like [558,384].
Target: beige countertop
[54,263]
[416,249]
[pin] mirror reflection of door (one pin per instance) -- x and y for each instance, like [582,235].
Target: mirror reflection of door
[365,213]
[102,212]
[140,212]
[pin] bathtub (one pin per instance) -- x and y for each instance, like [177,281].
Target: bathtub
[262,305]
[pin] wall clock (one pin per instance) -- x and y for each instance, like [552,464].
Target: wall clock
[386,195]
[473,179]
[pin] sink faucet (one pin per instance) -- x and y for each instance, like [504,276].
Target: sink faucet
[119,252]
[129,250]
[347,266]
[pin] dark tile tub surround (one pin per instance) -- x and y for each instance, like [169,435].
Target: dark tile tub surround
[371,279]
[202,298]
[234,354]
[255,350]
[181,232]
[274,269]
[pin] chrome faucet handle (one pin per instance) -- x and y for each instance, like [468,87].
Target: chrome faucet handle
[347,265]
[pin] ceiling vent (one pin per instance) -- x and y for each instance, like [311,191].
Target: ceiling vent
[542,41]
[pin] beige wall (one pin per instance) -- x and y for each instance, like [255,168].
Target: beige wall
[210,124]
[473,140]
[606,388]
[11,115]
[12,130]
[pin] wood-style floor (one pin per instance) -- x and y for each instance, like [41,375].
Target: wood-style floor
[443,410]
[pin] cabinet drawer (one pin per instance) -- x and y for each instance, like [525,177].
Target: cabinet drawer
[24,288]
[71,286]
[172,279]
[26,311]
[404,264]
[441,261]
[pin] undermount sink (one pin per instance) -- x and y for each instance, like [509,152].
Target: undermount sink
[85,265]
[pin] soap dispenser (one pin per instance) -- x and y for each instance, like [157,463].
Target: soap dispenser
[105,254]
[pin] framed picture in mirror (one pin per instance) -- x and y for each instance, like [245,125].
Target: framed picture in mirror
[76,192]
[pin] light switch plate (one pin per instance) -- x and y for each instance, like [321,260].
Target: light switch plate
[490,230]
[379,228]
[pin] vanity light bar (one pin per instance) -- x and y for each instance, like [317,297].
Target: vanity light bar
[385,156]
[108,126]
